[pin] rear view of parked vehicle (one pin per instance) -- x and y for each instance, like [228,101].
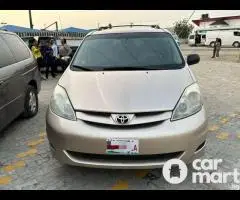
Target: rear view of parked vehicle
[19,79]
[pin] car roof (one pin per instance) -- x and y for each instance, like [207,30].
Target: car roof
[6,32]
[129,29]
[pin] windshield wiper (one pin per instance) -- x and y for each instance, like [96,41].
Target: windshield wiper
[82,68]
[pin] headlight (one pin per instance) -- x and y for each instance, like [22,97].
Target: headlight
[61,105]
[189,103]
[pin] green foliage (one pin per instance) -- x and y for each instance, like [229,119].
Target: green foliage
[182,28]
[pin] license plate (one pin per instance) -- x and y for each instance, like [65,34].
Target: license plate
[122,146]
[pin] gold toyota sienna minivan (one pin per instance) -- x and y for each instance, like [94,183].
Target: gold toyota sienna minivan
[127,100]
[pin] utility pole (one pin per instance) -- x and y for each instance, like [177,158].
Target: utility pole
[30,19]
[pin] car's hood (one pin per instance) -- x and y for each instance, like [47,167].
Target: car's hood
[125,91]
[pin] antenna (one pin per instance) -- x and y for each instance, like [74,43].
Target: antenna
[60,21]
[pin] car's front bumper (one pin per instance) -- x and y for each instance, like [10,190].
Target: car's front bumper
[82,144]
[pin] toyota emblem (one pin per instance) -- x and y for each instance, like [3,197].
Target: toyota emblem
[122,118]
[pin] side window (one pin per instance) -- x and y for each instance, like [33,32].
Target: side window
[191,37]
[6,56]
[17,46]
[236,33]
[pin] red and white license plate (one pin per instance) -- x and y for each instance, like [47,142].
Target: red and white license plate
[122,146]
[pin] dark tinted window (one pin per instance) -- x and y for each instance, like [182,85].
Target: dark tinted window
[17,46]
[203,36]
[236,33]
[6,57]
[129,50]
[191,37]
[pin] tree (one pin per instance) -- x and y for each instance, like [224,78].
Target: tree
[182,28]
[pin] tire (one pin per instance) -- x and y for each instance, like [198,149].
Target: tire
[30,108]
[236,44]
[211,44]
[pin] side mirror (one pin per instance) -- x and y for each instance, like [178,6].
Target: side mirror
[193,59]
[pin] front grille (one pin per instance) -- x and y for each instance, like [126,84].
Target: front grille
[140,120]
[154,157]
[148,114]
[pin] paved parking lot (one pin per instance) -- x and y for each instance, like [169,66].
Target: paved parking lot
[26,162]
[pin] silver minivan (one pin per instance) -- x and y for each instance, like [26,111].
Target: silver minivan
[128,100]
[20,80]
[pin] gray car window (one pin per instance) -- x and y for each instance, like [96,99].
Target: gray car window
[17,46]
[6,56]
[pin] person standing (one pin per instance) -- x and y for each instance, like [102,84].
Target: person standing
[54,48]
[57,60]
[216,48]
[37,54]
[49,60]
[55,53]
[64,50]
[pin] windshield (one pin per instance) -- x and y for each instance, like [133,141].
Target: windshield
[129,50]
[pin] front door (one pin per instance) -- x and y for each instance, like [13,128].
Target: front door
[17,86]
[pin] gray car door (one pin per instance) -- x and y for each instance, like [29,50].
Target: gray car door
[17,86]
[6,62]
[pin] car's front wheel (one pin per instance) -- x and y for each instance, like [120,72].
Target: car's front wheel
[31,102]
[236,44]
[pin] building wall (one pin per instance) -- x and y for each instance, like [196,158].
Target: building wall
[232,23]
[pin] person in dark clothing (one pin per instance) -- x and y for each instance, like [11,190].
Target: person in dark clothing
[196,39]
[49,60]
[217,47]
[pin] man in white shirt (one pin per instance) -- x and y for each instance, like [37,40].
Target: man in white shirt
[55,53]
[55,48]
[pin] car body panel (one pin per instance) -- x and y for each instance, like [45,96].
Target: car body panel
[183,135]
[147,91]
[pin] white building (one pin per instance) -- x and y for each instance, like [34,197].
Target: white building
[217,22]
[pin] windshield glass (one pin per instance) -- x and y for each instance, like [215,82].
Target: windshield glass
[123,50]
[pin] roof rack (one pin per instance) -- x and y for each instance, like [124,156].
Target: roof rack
[128,25]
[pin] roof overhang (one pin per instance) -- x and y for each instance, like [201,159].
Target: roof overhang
[198,21]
